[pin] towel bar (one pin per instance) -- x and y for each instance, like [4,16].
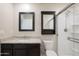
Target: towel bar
[73,39]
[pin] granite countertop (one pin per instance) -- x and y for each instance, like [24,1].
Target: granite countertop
[20,40]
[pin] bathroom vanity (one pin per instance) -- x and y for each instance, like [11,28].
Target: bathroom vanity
[20,47]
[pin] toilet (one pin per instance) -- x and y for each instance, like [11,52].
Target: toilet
[49,48]
[50,53]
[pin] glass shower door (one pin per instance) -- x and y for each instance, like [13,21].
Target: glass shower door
[65,21]
[68,32]
[72,30]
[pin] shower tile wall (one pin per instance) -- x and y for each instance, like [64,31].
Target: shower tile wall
[76,30]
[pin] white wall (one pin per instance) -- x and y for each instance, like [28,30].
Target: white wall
[6,20]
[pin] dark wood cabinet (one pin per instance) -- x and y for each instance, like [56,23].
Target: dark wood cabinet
[20,49]
[33,50]
[20,52]
[6,49]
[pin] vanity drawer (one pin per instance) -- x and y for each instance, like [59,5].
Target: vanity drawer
[6,46]
[20,46]
[34,49]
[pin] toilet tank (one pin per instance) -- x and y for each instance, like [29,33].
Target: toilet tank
[49,44]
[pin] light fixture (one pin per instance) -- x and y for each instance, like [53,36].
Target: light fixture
[26,7]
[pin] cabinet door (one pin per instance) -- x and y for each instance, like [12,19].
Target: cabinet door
[19,46]
[26,50]
[6,50]
[20,50]
[34,50]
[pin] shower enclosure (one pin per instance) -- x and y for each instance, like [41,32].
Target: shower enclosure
[68,31]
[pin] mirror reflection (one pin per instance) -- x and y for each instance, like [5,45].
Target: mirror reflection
[48,22]
[26,21]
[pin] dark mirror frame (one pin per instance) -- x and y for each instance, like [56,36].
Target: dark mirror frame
[33,23]
[47,31]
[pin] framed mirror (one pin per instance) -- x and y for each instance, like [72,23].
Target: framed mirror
[26,21]
[48,22]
